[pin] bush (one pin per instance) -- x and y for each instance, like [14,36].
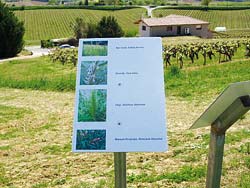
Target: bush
[131,33]
[46,44]
[80,28]
[175,71]
[109,27]
[11,33]
[106,27]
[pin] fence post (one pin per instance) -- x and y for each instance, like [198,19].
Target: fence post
[120,169]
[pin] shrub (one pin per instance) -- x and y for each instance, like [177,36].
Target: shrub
[109,27]
[80,28]
[175,71]
[46,44]
[11,33]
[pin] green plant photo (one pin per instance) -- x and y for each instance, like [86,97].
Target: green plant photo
[93,73]
[95,48]
[92,105]
[91,140]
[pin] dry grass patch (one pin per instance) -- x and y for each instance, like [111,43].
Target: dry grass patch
[39,154]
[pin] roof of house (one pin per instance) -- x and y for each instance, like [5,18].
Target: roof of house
[173,19]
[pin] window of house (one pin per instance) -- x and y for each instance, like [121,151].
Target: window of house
[198,27]
[169,28]
[144,28]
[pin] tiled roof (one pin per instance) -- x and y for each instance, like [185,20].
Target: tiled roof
[173,20]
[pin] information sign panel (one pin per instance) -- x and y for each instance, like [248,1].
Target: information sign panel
[120,99]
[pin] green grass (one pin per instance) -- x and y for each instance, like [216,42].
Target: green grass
[204,80]
[94,50]
[37,73]
[47,24]
[186,173]
[194,81]
[3,179]
[8,113]
[231,19]
[56,149]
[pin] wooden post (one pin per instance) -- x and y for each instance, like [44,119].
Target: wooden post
[215,158]
[120,170]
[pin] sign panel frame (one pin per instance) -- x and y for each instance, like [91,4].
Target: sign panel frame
[120,96]
[223,101]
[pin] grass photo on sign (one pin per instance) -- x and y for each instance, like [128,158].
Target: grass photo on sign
[91,140]
[95,48]
[92,105]
[93,73]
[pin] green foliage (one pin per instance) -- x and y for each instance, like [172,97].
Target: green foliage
[61,7]
[205,2]
[95,48]
[208,50]
[207,80]
[131,33]
[40,185]
[8,113]
[11,33]
[92,105]
[38,74]
[186,173]
[93,73]
[46,44]
[64,56]
[51,24]
[108,27]
[175,71]
[244,181]
[92,30]
[3,179]
[56,149]
[80,28]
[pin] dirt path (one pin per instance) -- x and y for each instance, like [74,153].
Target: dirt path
[37,51]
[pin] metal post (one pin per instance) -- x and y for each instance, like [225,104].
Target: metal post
[215,158]
[217,138]
[120,170]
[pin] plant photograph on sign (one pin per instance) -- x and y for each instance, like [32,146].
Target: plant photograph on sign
[91,140]
[92,105]
[93,73]
[95,48]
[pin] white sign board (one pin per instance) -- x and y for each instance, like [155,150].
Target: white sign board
[120,99]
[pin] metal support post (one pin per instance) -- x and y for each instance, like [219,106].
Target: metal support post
[215,159]
[120,170]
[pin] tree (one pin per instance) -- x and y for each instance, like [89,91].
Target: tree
[205,2]
[80,28]
[11,33]
[109,27]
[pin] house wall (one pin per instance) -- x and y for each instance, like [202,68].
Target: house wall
[144,33]
[161,31]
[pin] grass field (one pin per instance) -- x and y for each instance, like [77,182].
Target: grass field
[35,147]
[47,24]
[40,74]
[37,73]
[233,19]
